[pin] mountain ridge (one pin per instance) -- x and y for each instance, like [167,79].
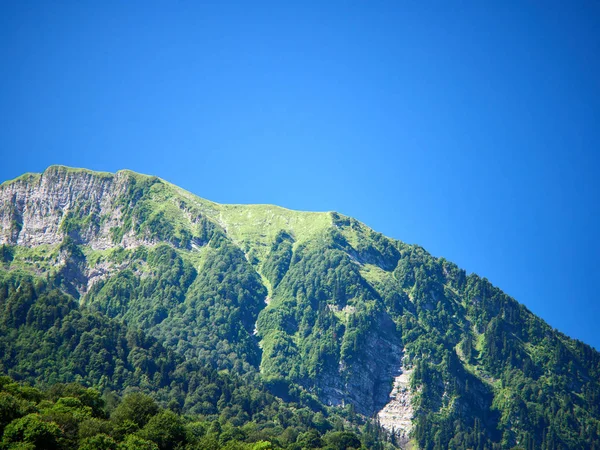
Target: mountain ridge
[312,303]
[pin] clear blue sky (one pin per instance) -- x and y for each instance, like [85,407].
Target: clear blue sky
[469,128]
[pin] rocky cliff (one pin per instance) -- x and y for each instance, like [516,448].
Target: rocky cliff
[35,208]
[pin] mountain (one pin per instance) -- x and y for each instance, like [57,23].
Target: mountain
[159,287]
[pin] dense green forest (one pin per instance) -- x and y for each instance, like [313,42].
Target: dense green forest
[71,416]
[47,339]
[260,322]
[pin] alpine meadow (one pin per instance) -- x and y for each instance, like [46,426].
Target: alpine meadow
[136,315]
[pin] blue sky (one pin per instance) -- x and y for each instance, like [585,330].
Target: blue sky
[470,128]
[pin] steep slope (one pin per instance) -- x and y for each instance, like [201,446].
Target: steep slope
[316,303]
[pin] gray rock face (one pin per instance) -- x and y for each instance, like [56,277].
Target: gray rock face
[366,383]
[33,207]
[397,415]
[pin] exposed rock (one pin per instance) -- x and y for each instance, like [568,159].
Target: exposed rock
[33,208]
[366,381]
[396,417]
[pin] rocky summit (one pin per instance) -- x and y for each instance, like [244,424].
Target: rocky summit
[294,329]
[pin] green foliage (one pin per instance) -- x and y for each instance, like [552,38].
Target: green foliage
[210,310]
[134,442]
[166,429]
[219,311]
[31,429]
[465,338]
[45,426]
[342,440]
[320,317]
[148,211]
[137,408]
[46,337]
[141,299]
[7,254]
[98,442]
[279,258]
[80,220]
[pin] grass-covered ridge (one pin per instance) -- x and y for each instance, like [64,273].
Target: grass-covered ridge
[28,177]
[168,206]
